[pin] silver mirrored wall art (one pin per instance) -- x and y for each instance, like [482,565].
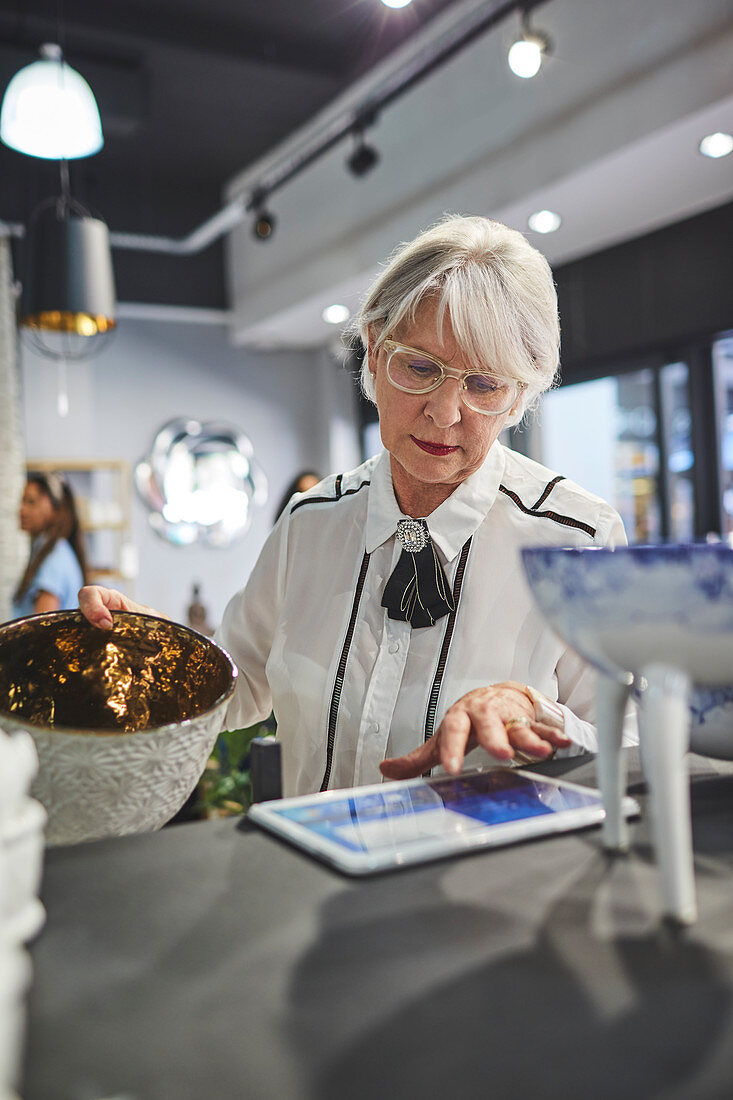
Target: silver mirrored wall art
[200,482]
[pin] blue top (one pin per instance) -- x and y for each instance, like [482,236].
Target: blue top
[60,574]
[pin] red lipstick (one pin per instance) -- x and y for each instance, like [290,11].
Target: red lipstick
[433,448]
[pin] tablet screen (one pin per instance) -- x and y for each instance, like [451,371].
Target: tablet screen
[395,823]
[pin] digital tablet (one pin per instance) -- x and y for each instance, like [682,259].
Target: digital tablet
[361,830]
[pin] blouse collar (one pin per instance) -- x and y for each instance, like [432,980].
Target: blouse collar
[455,520]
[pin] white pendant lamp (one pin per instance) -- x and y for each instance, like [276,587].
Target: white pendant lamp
[50,111]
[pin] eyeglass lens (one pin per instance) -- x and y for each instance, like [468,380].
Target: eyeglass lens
[482,392]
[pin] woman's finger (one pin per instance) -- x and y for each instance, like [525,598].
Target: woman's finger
[94,603]
[525,740]
[414,763]
[97,603]
[537,739]
[552,734]
[492,735]
[481,723]
[453,734]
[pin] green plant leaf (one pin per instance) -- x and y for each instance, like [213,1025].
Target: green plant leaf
[225,786]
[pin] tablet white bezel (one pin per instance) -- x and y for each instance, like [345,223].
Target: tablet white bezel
[351,862]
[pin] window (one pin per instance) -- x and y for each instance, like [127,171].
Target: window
[723,382]
[628,438]
[680,459]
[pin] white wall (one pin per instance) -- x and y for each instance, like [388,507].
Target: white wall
[154,371]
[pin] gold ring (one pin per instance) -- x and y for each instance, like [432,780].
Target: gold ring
[512,723]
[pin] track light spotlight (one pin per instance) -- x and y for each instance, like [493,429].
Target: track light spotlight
[264,224]
[525,55]
[364,157]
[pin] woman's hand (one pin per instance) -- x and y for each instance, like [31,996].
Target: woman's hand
[499,718]
[98,603]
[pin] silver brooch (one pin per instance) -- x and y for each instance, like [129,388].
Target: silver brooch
[412,535]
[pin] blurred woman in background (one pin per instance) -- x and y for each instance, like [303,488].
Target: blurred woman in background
[303,481]
[56,568]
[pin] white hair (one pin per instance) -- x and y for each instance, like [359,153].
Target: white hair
[497,290]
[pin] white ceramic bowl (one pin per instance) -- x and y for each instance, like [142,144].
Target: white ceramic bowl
[21,852]
[623,608]
[18,766]
[123,720]
[15,978]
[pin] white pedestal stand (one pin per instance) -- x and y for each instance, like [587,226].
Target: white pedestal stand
[664,731]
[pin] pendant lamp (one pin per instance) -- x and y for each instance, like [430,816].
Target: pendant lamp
[67,305]
[50,111]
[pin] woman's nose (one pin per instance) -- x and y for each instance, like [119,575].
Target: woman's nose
[443,406]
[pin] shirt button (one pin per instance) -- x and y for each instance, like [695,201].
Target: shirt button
[395,647]
[375,727]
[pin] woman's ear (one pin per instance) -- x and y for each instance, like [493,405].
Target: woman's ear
[371,352]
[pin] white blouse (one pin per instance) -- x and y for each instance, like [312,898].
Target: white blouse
[349,685]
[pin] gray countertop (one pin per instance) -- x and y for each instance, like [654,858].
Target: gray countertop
[212,960]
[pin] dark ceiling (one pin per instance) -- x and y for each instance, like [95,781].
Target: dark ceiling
[190,92]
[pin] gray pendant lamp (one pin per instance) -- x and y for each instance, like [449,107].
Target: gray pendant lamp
[67,306]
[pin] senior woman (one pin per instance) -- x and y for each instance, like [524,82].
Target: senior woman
[387,620]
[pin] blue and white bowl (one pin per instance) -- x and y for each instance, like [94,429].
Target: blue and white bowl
[711,721]
[624,608]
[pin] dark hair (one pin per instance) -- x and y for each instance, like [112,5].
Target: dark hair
[65,525]
[293,487]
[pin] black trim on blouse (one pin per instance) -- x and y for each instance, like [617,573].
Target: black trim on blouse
[547,490]
[330,500]
[566,521]
[443,659]
[341,672]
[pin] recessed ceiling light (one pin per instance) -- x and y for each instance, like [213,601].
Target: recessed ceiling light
[716,145]
[336,314]
[544,221]
[396,3]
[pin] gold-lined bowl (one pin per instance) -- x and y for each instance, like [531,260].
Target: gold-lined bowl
[123,720]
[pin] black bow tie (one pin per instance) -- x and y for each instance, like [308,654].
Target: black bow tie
[417,592]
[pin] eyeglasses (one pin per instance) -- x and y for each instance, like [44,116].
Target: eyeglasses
[414,371]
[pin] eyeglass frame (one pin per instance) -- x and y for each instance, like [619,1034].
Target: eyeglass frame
[391,346]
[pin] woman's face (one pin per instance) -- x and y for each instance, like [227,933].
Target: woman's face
[435,441]
[36,510]
[307,481]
